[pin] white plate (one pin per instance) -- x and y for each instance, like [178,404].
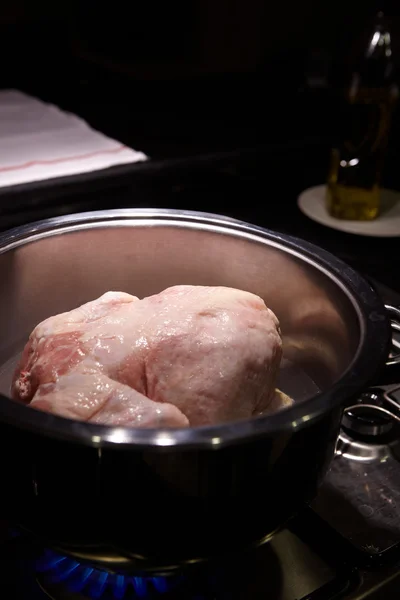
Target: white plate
[312,203]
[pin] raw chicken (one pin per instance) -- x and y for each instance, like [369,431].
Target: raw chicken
[191,355]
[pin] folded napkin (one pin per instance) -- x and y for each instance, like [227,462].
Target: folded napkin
[39,141]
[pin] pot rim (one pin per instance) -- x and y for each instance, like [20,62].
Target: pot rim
[372,353]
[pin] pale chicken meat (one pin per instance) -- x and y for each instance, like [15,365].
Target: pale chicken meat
[188,356]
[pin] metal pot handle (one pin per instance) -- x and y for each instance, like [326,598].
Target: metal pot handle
[374,407]
[391,372]
[389,394]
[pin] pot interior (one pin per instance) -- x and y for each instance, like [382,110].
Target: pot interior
[56,270]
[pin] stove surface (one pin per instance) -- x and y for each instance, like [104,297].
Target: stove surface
[290,567]
[287,568]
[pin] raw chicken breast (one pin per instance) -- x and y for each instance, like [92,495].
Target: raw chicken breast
[191,355]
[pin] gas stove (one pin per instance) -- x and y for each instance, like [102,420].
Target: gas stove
[287,568]
[345,545]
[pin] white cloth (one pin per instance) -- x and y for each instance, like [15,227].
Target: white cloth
[39,141]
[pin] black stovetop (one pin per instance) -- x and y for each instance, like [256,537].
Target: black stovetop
[287,568]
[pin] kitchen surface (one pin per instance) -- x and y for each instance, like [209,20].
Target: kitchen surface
[249,158]
[242,137]
[245,175]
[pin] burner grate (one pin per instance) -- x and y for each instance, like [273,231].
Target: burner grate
[96,584]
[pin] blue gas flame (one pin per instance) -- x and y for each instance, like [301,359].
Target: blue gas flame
[95,583]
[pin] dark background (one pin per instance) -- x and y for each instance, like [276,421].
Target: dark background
[223,66]
[234,101]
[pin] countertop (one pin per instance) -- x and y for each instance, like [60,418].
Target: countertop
[248,159]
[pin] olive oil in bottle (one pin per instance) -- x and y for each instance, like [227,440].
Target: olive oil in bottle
[353,186]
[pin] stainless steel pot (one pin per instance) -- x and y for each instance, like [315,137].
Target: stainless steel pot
[158,499]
